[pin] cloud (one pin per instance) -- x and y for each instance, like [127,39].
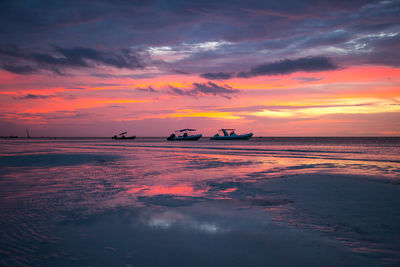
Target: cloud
[176,91]
[160,23]
[32,96]
[78,56]
[19,69]
[193,37]
[217,75]
[181,72]
[205,89]
[63,58]
[287,66]
[307,79]
[386,50]
[77,88]
[144,75]
[11,50]
[149,89]
[211,88]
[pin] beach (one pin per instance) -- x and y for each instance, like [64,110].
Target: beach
[150,202]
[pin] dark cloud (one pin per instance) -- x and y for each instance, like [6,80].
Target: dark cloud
[307,79]
[217,75]
[211,88]
[102,84]
[19,69]
[77,88]
[176,91]
[10,50]
[32,96]
[69,58]
[181,72]
[288,66]
[127,76]
[149,89]
[205,89]
[66,115]
[90,33]
[78,56]
[164,22]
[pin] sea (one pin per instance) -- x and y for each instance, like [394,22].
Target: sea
[282,201]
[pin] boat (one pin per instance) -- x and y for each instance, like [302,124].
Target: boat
[123,136]
[185,136]
[231,136]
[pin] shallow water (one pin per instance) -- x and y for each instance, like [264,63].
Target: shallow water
[149,202]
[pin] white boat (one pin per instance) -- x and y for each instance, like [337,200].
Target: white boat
[185,136]
[231,136]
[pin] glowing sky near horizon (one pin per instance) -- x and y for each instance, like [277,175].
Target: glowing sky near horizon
[97,68]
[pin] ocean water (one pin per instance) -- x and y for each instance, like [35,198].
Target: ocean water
[150,202]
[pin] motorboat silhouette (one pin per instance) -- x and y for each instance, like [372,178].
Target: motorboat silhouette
[122,136]
[231,136]
[185,136]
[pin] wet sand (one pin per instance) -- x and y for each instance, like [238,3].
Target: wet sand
[107,204]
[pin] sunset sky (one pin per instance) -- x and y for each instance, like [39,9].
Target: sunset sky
[274,68]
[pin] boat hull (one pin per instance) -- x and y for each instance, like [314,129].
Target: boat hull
[124,138]
[186,138]
[235,137]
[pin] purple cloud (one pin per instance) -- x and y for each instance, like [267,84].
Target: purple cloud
[217,75]
[205,89]
[149,89]
[53,38]
[20,69]
[32,96]
[288,66]
[68,58]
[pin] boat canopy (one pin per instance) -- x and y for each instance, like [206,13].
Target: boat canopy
[184,130]
[123,133]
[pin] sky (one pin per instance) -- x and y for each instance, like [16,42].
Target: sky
[274,68]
